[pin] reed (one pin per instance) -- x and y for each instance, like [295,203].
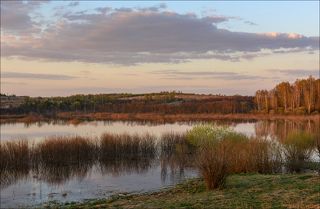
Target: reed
[298,147]
[14,155]
[176,154]
[115,146]
[171,142]
[60,151]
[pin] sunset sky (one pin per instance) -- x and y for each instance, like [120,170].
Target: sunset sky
[59,48]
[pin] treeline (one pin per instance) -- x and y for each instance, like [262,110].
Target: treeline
[163,103]
[300,97]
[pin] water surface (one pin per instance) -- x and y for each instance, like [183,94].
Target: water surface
[97,180]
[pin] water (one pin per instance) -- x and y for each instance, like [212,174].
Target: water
[98,180]
[40,130]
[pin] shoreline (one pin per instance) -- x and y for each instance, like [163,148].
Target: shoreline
[240,191]
[75,117]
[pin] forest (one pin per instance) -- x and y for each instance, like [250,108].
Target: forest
[300,97]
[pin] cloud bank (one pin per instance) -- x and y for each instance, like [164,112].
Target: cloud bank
[36,76]
[130,36]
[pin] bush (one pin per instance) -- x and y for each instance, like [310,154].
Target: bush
[205,134]
[221,151]
[212,162]
[211,153]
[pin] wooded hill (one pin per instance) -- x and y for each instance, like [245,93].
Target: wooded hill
[301,97]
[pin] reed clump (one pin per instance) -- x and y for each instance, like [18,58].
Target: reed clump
[65,150]
[176,154]
[14,155]
[117,146]
[171,143]
[298,147]
[253,155]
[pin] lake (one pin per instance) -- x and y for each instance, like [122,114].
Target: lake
[34,186]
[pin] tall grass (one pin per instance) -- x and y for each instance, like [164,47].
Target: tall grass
[175,154]
[216,151]
[57,158]
[65,150]
[14,154]
[114,146]
[298,147]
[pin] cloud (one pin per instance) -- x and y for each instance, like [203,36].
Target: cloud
[183,75]
[16,16]
[250,23]
[297,72]
[19,75]
[130,36]
[73,4]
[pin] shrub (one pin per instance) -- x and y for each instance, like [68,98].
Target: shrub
[212,152]
[205,134]
[212,162]
[221,151]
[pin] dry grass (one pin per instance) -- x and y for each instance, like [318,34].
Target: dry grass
[116,146]
[254,156]
[65,150]
[14,154]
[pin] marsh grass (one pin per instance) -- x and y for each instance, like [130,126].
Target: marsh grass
[298,147]
[216,151]
[124,153]
[14,154]
[117,146]
[254,155]
[57,159]
[176,154]
[61,151]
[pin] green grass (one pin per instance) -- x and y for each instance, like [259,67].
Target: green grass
[241,191]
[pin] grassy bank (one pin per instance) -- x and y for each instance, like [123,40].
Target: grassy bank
[240,191]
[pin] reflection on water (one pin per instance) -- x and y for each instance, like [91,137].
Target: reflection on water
[103,177]
[279,129]
[85,180]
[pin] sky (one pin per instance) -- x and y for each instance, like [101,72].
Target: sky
[61,48]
